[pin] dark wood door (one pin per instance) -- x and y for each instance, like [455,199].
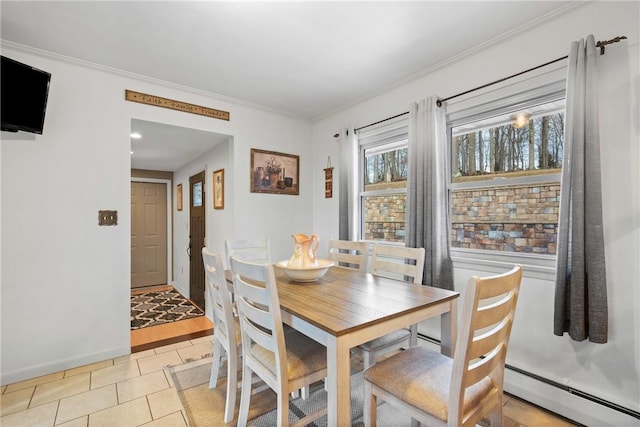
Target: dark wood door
[196,239]
[148,234]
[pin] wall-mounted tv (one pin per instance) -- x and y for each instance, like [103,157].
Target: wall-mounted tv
[24,91]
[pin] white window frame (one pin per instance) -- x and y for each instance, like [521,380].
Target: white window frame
[390,133]
[546,88]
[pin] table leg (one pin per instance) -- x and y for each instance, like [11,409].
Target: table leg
[338,383]
[448,329]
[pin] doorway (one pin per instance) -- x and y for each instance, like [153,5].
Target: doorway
[196,238]
[148,234]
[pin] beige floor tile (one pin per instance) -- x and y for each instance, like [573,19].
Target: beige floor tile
[196,352]
[60,389]
[171,347]
[34,382]
[141,386]
[114,374]
[78,422]
[41,416]
[164,403]
[133,413]
[88,368]
[134,356]
[159,362]
[86,403]
[173,420]
[2,389]
[16,401]
[207,338]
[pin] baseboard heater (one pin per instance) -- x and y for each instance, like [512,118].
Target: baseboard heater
[568,389]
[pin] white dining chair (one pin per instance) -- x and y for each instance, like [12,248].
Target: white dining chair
[349,254]
[400,263]
[283,358]
[226,336]
[437,390]
[256,250]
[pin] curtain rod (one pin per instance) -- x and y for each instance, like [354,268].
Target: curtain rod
[600,44]
[381,121]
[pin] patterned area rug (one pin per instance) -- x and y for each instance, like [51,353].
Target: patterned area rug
[204,407]
[156,308]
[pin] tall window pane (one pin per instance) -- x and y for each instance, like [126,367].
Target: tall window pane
[505,181]
[384,191]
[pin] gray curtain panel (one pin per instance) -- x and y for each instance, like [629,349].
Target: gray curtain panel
[347,202]
[581,283]
[427,197]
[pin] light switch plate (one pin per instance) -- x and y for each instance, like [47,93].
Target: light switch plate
[107,217]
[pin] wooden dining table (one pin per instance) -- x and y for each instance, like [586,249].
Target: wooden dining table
[346,308]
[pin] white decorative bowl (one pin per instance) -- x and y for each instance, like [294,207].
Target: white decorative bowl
[308,274]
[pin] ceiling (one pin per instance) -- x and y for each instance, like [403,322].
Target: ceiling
[167,148]
[306,59]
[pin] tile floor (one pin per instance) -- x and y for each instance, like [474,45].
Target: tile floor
[129,391]
[133,390]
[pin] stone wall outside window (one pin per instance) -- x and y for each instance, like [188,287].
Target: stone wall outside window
[516,218]
[385,217]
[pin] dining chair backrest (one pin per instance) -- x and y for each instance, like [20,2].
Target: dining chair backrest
[481,349]
[219,297]
[260,319]
[398,262]
[256,250]
[349,254]
[225,335]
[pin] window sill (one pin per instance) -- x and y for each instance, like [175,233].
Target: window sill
[533,266]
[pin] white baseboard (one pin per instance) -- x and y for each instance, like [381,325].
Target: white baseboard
[568,405]
[557,400]
[60,365]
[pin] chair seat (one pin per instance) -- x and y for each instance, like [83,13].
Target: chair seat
[422,378]
[304,355]
[386,340]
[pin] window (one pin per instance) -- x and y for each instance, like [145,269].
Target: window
[505,178]
[383,182]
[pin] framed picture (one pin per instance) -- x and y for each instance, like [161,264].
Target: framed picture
[218,189]
[179,197]
[273,172]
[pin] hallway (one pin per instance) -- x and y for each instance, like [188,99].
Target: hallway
[170,333]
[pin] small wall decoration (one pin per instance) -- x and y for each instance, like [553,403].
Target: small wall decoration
[179,197]
[218,189]
[273,172]
[328,180]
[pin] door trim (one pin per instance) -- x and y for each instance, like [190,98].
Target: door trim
[169,183]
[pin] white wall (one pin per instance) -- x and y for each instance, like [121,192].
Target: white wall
[610,371]
[65,280]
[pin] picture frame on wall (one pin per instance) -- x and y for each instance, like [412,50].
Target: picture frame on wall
[179,197]
[274,172]
[218,189]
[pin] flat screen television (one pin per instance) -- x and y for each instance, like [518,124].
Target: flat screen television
[24,91]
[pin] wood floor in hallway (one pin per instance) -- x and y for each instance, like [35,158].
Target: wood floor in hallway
[169,333]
